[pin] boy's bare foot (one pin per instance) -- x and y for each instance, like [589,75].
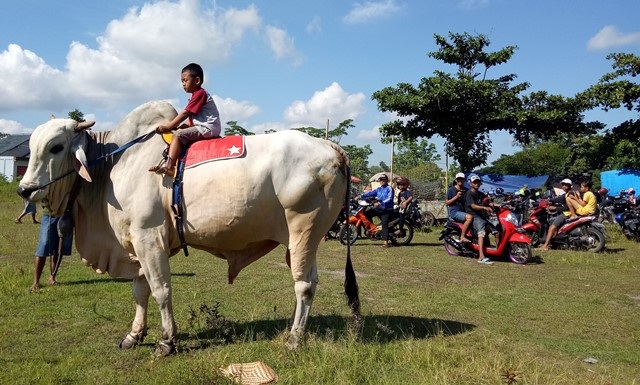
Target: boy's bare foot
[18,221]
[34,288]
[465,240]
[53,282]
[170,172]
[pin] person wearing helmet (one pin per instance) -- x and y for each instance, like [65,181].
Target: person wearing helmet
[383,206]
[405,197]
[558,204]
[455,205]
[631,195]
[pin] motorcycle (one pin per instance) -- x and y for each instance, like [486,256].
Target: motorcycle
[513,240]
[400,232]
[584,233]
[629,222]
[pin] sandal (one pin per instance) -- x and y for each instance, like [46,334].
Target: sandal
[486,261]
[158,169]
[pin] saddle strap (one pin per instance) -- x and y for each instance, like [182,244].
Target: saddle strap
[177,201]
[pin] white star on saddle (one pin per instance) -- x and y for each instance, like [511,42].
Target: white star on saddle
[233,150]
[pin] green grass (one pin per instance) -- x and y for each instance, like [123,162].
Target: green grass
[429,318]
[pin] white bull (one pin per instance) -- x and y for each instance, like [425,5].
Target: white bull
[288,190]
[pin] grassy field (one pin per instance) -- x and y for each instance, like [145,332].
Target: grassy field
[429,318]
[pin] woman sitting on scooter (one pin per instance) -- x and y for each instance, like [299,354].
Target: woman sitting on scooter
[383,206]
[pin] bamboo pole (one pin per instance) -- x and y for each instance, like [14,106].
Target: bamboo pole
[326,131]
[393,137]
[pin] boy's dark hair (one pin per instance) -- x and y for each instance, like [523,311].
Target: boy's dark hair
[194,70]
[586,183]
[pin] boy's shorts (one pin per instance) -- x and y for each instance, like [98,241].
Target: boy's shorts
[192,134]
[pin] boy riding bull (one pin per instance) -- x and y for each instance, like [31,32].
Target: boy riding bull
[202,114]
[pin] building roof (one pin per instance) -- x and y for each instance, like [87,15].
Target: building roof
[15,145]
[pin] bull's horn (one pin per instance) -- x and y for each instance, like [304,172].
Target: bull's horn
[84,125]
[52,117]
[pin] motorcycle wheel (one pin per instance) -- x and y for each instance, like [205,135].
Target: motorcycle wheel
[428,219]
[450,249]
[535,238]
[595,240]
[343,234]
[520,252]
[402,235]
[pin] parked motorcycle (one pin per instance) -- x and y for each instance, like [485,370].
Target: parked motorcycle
[629,222]
[400,232]
[513,240]
[584,233]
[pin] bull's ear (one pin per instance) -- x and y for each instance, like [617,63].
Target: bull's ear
[83,126]
[80,163]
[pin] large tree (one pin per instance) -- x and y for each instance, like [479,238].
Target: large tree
[465,107]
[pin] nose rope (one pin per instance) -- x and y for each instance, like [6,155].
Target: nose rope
[94,161]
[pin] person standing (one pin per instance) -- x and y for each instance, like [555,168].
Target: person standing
[48,243]
[29,208]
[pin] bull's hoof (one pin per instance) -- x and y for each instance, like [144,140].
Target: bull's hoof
[293,342]
[164,348]
[131,340]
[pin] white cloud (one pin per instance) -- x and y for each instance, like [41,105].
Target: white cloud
[473,4]
[371,134]
[282,45]
[27,81]
[138,57]
[371,10]
[610,36]
[332,103]
[231,109]
[13,128]
[314,26]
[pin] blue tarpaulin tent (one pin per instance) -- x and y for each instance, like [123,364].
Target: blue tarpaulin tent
[616,180]
[509,183]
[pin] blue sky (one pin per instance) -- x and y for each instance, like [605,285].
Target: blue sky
[282,64]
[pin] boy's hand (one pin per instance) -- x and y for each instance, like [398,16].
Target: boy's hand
[162,129]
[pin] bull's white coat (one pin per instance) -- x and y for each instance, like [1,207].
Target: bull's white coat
[288,190]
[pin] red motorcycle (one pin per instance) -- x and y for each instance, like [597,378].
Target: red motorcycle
[513,241]
[400,232]
[584,233]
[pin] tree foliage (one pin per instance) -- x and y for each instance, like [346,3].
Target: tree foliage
[334,135]
[76,115]
[235,129]
[358,157]
[466,107]
[412,153]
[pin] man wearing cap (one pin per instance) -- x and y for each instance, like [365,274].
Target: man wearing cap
[474,204]
[455,205]
[383,206]
[558,203]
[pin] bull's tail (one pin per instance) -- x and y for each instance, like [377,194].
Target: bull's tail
[350,283]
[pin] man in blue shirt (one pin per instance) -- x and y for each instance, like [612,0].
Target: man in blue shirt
[384,205]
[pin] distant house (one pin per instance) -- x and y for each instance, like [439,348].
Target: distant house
[14,156]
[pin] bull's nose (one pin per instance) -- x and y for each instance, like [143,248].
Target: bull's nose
[25,192]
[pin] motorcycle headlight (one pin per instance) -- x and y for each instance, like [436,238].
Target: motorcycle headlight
[511,217]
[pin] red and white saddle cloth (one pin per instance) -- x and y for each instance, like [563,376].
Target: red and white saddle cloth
[209,150]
